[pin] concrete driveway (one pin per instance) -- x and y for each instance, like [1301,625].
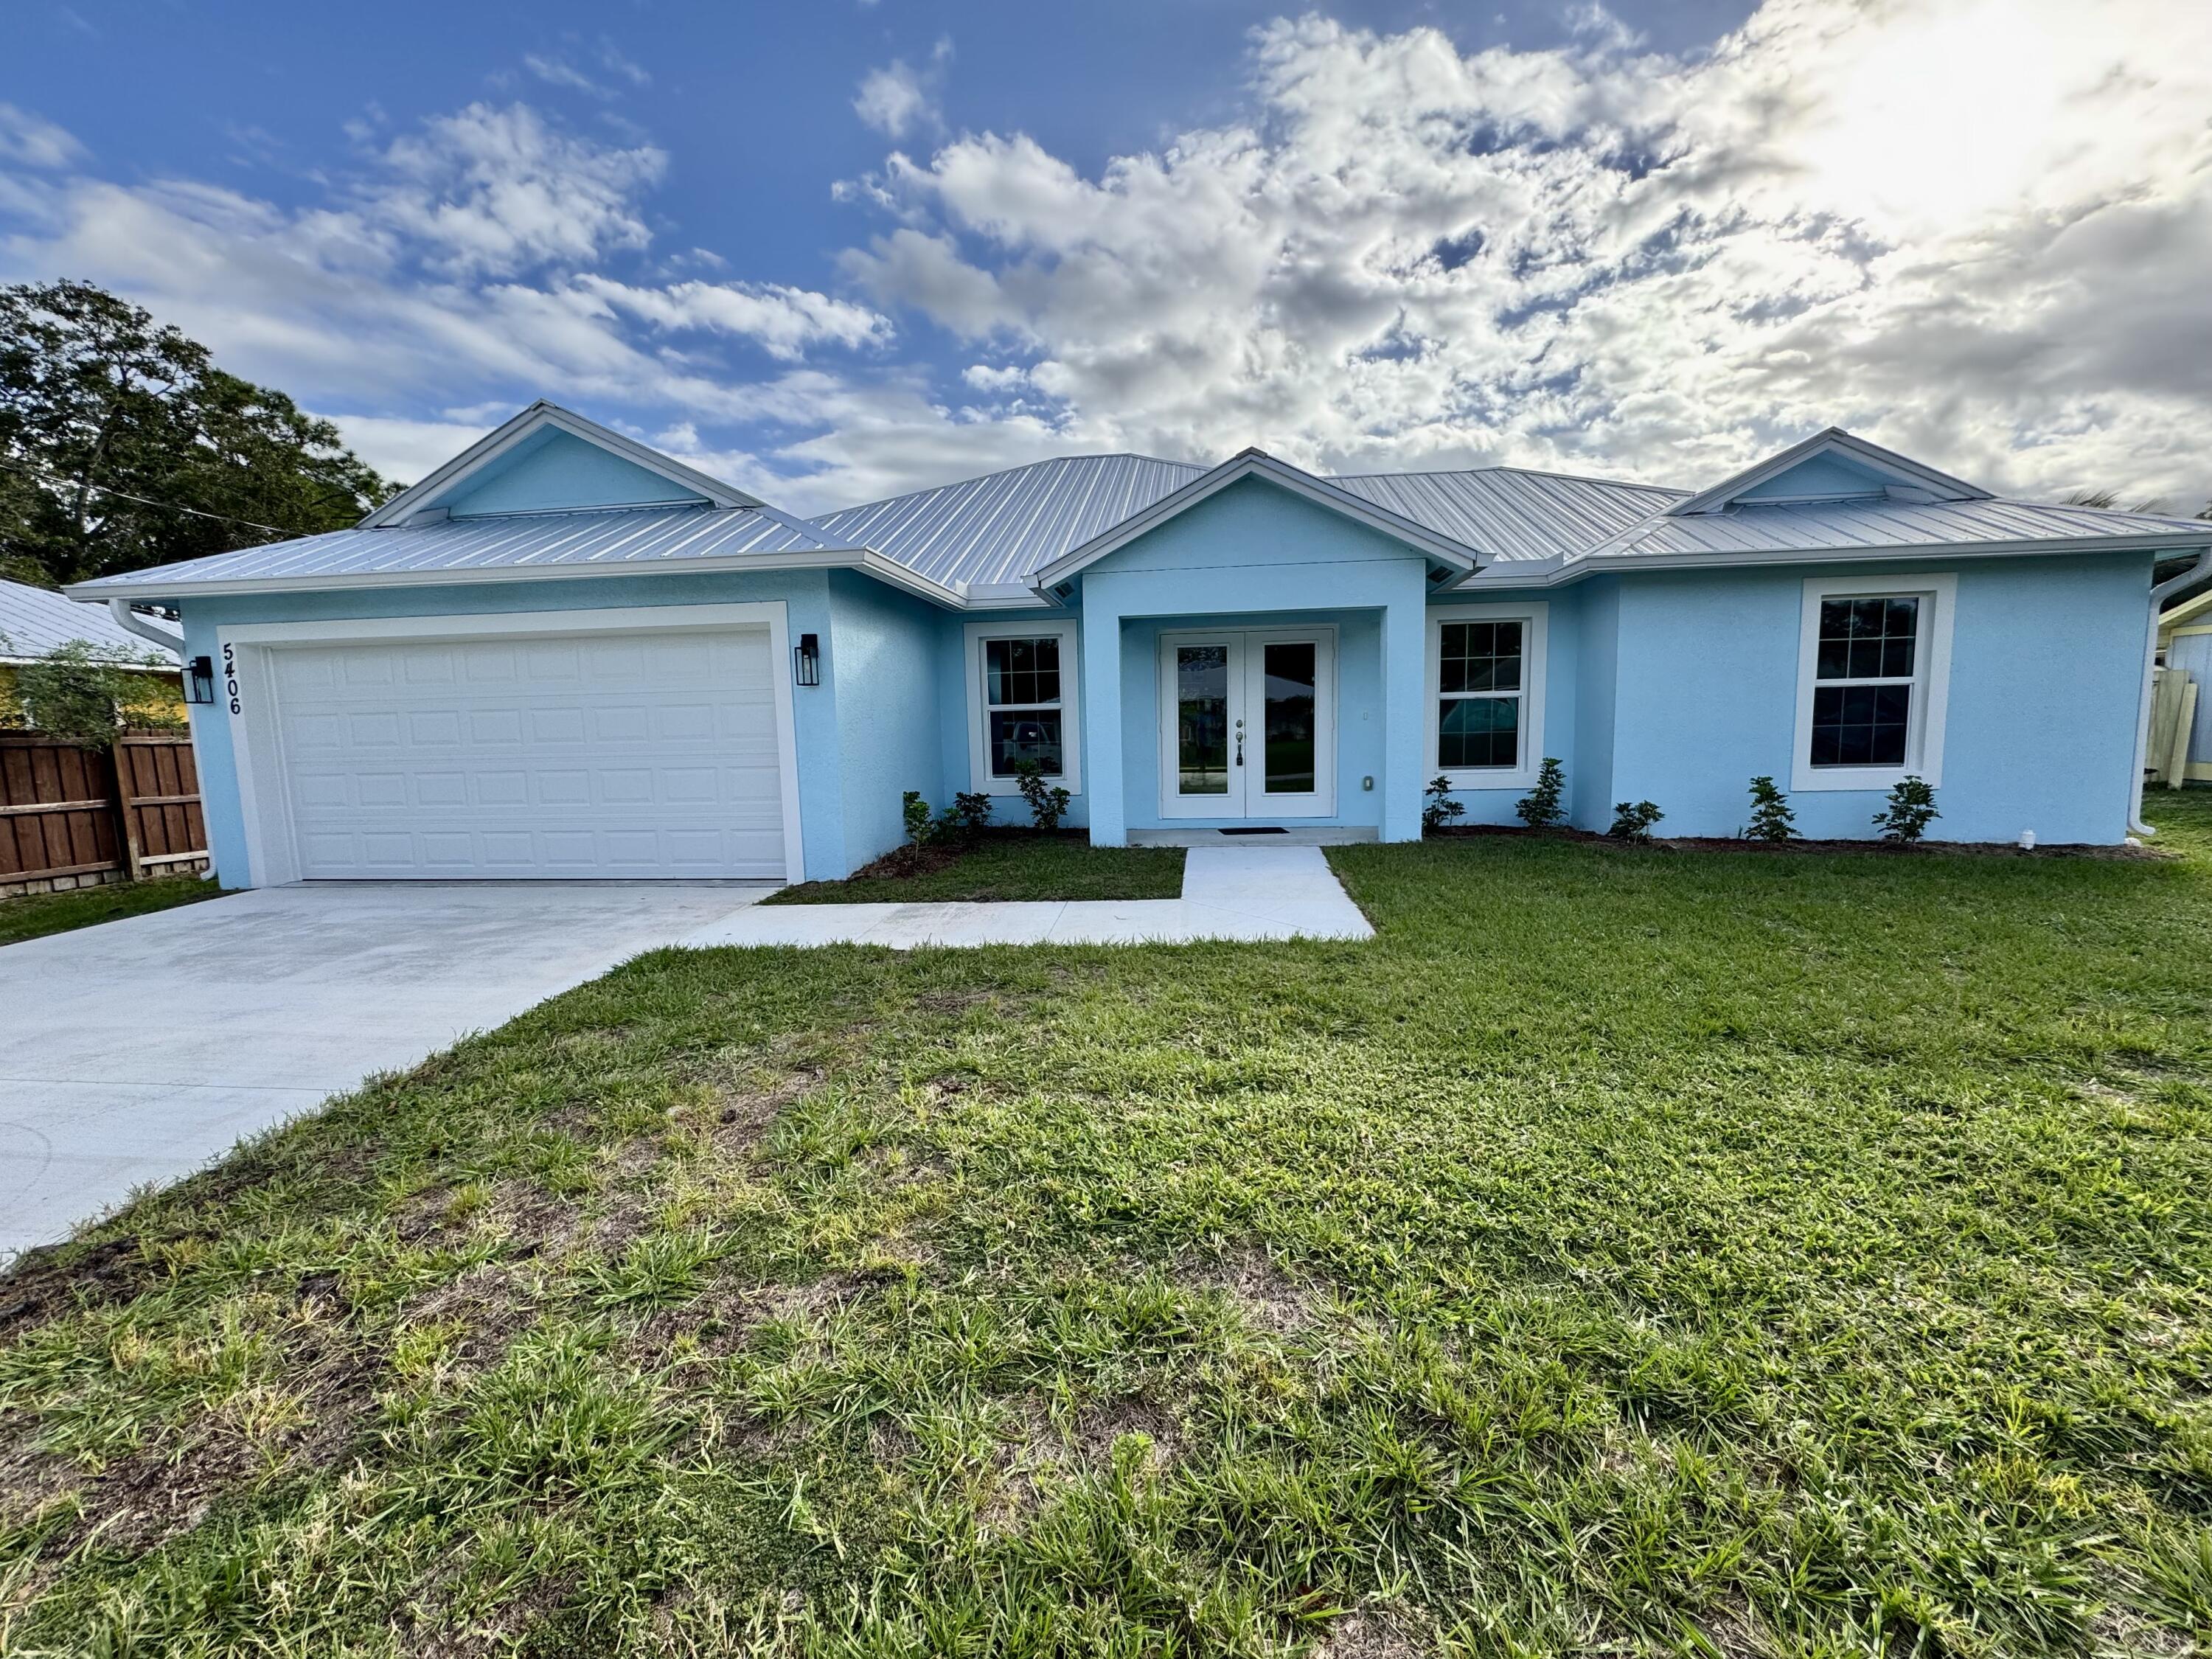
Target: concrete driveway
[140,1051]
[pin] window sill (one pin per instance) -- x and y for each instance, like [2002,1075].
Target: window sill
[1839,780]
[1468,782]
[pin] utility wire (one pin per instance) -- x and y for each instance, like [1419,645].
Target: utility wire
[147,500]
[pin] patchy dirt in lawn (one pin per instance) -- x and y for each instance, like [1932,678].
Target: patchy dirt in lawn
[52,1279]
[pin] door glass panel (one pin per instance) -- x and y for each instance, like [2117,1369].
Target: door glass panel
[1289,717]
[1202,720]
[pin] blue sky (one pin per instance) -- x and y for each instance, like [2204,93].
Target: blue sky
[837,250]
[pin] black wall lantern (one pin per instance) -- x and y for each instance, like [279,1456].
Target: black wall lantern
[806,660]
[199,680]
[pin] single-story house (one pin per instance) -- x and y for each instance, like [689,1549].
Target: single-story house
[564,654]
[36,622]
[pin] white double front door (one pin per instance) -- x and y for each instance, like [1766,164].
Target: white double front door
[1248,724]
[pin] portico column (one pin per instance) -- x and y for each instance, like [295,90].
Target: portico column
[1102,718]
[1405,701]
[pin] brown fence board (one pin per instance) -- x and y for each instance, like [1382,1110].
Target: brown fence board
[71,812]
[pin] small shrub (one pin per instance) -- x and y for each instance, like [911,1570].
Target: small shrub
[1440,809]
[968,817]
[1632,820]
[1048,802]
[1771,816]
[916,810]
[1545,806]
[1910,809]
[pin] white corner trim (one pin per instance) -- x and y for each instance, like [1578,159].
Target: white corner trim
[1537,615]
[1923,749]
[264,803]
[1068,631]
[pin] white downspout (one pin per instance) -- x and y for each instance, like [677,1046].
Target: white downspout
[131,621]
[2158,594]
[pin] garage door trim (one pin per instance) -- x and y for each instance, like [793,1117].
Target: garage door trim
[243,649]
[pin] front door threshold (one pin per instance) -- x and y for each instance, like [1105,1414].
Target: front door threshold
[1351,834]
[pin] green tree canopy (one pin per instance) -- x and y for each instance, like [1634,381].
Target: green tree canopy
[123,445]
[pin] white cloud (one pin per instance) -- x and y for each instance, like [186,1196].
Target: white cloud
[408,451]
[899,99]
[998,381]
[1977,230]
[31,140]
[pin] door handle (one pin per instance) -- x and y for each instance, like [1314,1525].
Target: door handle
[1240,743]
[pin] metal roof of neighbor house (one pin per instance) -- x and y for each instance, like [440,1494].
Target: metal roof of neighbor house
[34,621]
[996,530]
[602,540]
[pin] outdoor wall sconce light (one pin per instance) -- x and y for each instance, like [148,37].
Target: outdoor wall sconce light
[199,680]
[806,660]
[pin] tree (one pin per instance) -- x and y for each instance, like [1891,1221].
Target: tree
[122,445]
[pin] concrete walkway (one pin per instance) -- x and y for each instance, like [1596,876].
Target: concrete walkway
[1240,893]
[140,1051]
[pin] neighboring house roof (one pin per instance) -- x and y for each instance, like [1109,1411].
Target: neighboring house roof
[1005,538]
[34,621]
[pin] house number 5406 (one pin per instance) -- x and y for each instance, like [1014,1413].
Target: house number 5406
[230,676]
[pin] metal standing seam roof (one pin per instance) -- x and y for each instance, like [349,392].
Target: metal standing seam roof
[611,540]
[1845,525]
[34,621]
[999,528]
[1512,513]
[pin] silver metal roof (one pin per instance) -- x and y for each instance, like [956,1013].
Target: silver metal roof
[998,528]
[1849,525]
[655,538]
[34,621]
[1510,514]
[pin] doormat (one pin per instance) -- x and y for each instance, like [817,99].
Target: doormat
[1255,830]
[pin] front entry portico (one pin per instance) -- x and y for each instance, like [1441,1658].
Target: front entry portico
[1248,724]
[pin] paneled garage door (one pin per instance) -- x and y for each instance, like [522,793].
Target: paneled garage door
[608,756]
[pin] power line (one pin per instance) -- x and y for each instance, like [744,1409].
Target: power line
[148,501]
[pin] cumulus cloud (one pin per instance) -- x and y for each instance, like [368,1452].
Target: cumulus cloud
[1977,230]
[899,99]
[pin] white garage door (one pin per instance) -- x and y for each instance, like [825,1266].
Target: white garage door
[613,755]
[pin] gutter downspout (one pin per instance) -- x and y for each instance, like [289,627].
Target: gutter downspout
[2157,596]
[130,620]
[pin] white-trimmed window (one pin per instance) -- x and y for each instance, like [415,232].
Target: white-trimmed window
[1486,693]
[1873,675]
[1022,704]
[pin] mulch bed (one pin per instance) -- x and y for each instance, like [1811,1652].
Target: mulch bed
[1797,847]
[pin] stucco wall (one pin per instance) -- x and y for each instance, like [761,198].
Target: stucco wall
[880,663]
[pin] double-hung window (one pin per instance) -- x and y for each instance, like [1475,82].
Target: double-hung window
[1486,692]
[1022,704]
[1874,660]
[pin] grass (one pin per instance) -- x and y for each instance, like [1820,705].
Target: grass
[1016,864]
[1628,1252]
[39,914]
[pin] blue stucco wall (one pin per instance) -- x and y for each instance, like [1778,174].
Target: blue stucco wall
[806,595]
[2046,669]
[881,663]
[553,471]
[957,715]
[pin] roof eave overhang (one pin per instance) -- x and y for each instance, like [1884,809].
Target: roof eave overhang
[1455,555]
[864,559]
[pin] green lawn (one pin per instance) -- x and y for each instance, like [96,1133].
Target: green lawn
[1010,864]
[1627,1252]
[57,912]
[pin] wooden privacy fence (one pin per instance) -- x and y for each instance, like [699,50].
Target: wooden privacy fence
[2173,721]
[72,816]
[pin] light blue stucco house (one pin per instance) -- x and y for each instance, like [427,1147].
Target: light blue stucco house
[565,655]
